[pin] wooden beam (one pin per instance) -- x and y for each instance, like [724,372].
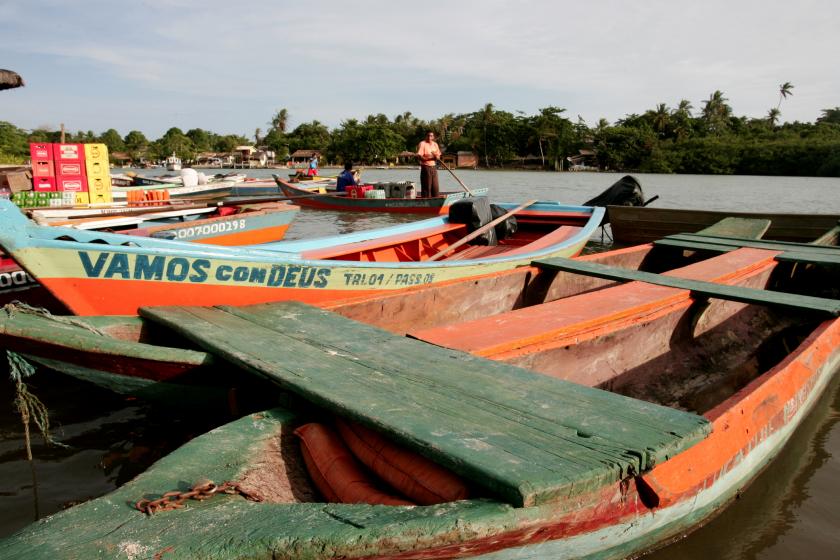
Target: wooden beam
[698,288]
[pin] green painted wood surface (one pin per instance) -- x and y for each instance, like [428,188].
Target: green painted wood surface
[749,228]
[525,437]
[80,334]
[705,289]
[825,260]
[758,244]
[694,245]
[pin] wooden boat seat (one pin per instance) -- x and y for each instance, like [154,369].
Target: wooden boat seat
[525,438]
[698,288]
[336,251]
[558,235]
[586,313]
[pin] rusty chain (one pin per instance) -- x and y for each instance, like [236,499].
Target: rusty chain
[200,491]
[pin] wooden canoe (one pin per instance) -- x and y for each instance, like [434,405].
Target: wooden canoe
[434,205]
[752,369]
[99,274]
[632,225]
[245,224]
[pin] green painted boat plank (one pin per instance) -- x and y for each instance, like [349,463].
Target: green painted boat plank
[694,245]
[794,256]
[462,411]
[705,289]
[758,244]
[522,391]
[747,228]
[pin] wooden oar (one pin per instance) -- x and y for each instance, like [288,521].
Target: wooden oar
[460,182]
[481,230]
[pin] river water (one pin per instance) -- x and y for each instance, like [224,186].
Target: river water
[790,512]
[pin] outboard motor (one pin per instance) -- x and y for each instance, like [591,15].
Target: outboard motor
[474,212]
[625,192]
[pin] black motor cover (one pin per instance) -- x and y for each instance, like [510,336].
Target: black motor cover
[506,228]
[474,212]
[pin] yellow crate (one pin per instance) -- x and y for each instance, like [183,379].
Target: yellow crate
[97,169]
[96,152]
[82,198]
[99,189]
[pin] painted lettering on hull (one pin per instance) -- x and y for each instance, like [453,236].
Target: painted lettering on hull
[121,266]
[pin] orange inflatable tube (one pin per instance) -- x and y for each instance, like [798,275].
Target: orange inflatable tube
[409,473]
[334,471]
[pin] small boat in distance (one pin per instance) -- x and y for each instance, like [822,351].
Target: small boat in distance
[173,163]
[404,205]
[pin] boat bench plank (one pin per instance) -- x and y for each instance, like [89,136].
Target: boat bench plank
[747,228]
[525,437]
[757,244]
[797,257]
[694,245]
[705,289]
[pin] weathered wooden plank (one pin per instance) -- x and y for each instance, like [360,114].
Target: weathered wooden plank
[804,258]
[705,289]
[476,423]
[748,228]
[694,245]
[758,244]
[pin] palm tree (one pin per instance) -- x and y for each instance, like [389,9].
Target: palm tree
[785,90]
[486,119]
[716,112]
[280,120]
[661,118]
[773,116]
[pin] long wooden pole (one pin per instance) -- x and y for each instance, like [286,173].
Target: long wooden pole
[460,182]
[481,230]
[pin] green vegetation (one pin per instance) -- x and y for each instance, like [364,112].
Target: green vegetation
[660,140]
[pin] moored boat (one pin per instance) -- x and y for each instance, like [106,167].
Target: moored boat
[78,267]
[229,225]
[632,225]
[338,201]
[555,469]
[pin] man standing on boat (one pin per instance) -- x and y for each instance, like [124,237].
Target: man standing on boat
[428,152]
[313,165]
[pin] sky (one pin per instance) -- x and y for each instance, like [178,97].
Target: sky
[229,66]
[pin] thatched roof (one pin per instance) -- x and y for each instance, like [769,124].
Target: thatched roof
[9,80]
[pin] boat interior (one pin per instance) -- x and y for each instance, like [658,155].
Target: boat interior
[535,231]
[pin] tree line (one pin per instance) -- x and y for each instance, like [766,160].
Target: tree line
[680,139]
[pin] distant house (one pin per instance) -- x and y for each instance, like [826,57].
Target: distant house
[121,159]
[406,158]
[461,159]
[585,160]
[303,156]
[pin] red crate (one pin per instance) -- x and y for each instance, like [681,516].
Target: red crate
[42,184]
[73,168]
[76,183]
[40,151]
[358,191]
[43,168]
[74,153]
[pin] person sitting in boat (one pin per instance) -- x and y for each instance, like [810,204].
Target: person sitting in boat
[313,166]
[428,152]
[347,178]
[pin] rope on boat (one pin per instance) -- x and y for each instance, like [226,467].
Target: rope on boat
[15,307]
[31,408]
